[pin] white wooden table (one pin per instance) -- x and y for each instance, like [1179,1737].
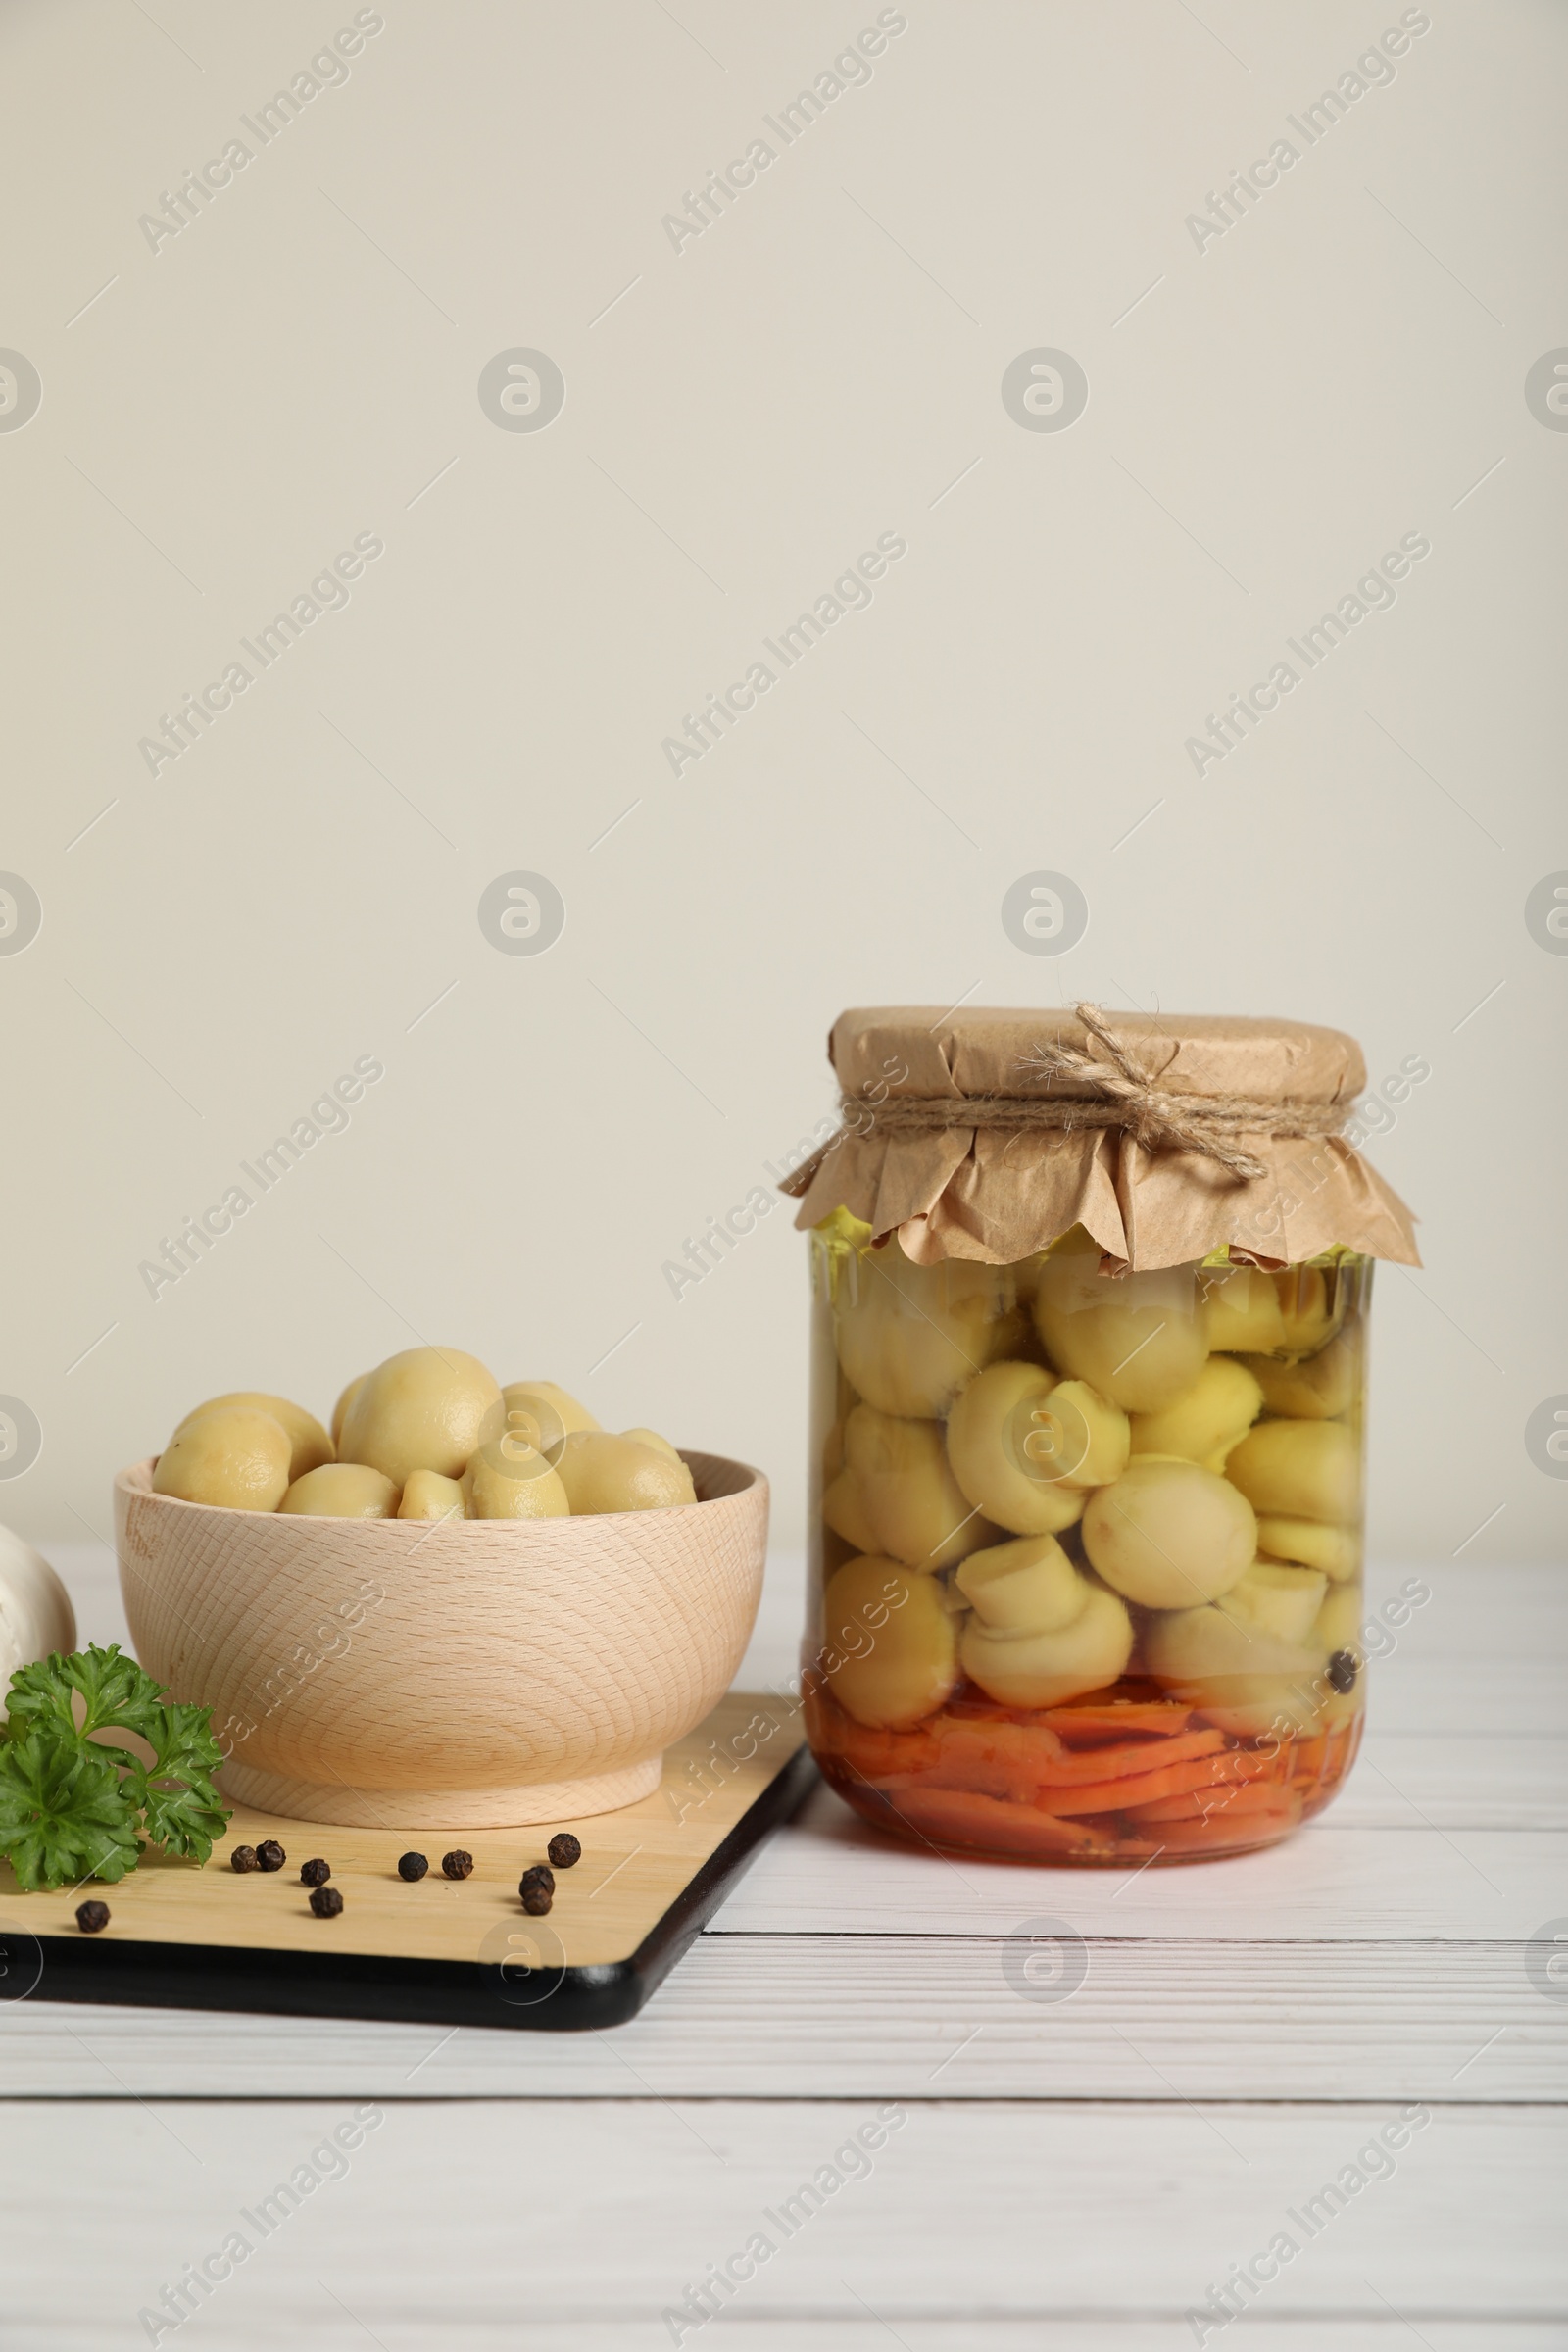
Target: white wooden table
[1075,2172]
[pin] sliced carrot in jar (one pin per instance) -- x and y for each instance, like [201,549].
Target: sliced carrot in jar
[963,1817]
[1207,1804]
[1089,1766]
[1121,1716]
[867,1753]
[1227,1828]
[1006,1760]
[999,1759]
[1144,1788]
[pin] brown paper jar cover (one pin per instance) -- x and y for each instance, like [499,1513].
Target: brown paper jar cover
[997,1196]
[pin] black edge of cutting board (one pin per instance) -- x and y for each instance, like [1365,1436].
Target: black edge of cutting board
[408,1991]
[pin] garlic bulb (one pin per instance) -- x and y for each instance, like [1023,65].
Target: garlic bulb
[35,1614]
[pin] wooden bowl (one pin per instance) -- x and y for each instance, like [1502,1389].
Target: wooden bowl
[445,1675]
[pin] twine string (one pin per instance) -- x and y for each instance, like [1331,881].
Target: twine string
[1125,1098]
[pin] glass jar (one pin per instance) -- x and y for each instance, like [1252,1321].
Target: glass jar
[1086,1547]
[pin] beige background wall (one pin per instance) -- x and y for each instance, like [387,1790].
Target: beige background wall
[1269,411]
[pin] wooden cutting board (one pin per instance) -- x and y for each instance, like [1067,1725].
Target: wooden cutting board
[439,1950]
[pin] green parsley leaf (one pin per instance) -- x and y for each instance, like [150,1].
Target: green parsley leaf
[114,1689]
[184,1818]
[70,1805]
[64,1816]
[182,1809]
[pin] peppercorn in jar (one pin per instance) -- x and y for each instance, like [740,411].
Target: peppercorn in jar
[1090,1307]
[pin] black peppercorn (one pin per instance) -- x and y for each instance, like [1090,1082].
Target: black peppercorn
[563,1851]
[536,1898]
[93,1918]
[538,1874]
[315,1873]
[269,1855]
[1343,1671]
[412,1867]
[457,1864]
[325,1902]
[243,1858]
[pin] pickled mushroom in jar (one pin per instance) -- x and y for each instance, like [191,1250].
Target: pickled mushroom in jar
[1279,1602]
[1241,1308]
[1082,1438]
[1337,1550]
[1312,1301]
[889,1643]
[1317,1388]
[1299,1470]
[1005,1449]
[1216,1414]
[1244,1680]
[1186,1645]
[1170,1534]
[1045,1667]
[909,1337]
[1027,1587]
[1137,1338]
[905,1488]
[845,1512]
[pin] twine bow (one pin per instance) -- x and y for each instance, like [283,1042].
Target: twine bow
[1162,1121]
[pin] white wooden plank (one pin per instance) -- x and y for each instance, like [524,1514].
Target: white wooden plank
[1477,1609]
[452,2220]
[830,1874]
[833,2331]
[1480,1697]
[1484,1780]
[1332,1917]
[906,2017]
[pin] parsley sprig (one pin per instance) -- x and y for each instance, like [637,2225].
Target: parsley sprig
[73,1807]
